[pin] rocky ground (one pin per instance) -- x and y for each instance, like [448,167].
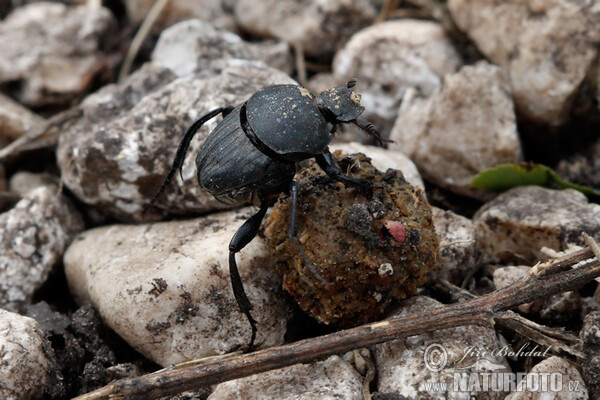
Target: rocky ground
[92,289]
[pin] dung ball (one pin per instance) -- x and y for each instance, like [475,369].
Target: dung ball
[369,251]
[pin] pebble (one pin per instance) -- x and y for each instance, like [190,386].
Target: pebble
[319,27]
[564,382]
[25,362]
[517,224]
[217,12]
[390,57]
[33,236]
[63,54]
[464,127]
[165,287]
[548,49]
[192,45]
[405,365]
[459,254]
[331,379]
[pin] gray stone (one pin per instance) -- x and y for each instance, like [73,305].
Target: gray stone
[582,168]
[25,363]
[590,332]
[390,57]
[319,27]
[466,126]
[191,45]
[331,379]
[53,51]
[517,224]
[33,237]
[548,49]
[404,366]
[459,255]
[218,13]
[116,155]
[23,182]
[563,382]
[165,287]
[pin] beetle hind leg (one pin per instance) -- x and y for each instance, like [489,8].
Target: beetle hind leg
[242,237]
[183,148]
[293,234]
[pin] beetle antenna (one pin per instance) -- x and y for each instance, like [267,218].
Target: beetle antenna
[183,148]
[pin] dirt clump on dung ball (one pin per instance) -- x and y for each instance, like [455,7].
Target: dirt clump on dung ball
[370,251]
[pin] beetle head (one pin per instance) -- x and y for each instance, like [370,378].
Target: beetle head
[340,104]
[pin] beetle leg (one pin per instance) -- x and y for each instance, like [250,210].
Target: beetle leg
[183,148]
[327,164]
[242,237]
[371,130]
[293,233]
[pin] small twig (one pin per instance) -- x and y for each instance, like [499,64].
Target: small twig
[140,36]
[300,63]
[45,133]
[477,311]
[387,9]
[550,337]
[540,333]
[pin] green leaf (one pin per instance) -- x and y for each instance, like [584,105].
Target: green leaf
[507,176]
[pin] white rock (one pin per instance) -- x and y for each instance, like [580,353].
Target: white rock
[15,120]
[548,49]
[24,364]
[191,45]
[217,12]
[320,27]
[53,51]
[165,287]
[467,125]
[390,57]
[23,182]
[33,236]
[383,159]
[562,382]
[331,379]
[520,222]
[117,154]
[402,365]
[459,254]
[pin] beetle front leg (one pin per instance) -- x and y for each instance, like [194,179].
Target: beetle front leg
[371,130]
[242,237]
[327,164]
[293,233]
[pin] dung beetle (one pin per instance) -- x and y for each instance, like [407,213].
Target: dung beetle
[253,153]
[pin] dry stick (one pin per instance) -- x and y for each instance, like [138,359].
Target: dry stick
[478,311]
[544,335]
[45,132]
[300,63]
[140,36]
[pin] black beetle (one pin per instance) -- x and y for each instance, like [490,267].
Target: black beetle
[254,151]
